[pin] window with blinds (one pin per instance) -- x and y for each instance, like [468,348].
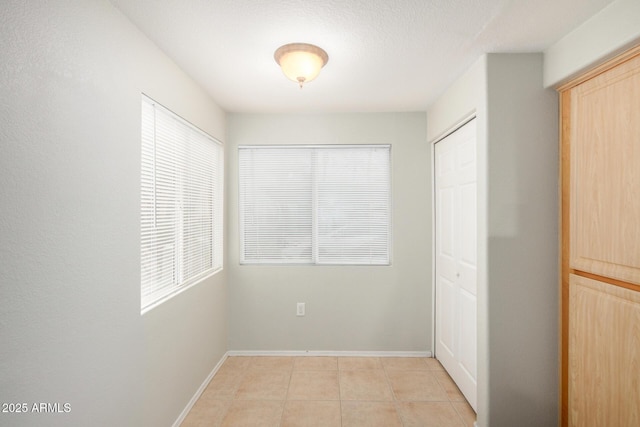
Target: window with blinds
[181,204]
[315,204]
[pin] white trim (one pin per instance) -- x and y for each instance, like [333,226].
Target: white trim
[240,147]
[433,245]
[303,353]
[313,234]
[451,364]
[466,119]
[199,392]
[457,125]
[178,291]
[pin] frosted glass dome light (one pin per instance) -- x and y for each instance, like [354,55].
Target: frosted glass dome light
[301,62]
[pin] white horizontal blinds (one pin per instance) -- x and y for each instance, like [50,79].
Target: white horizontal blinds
[181,203]
[315,204]
[353,199]
[199,160]
[276,204]
[158,212]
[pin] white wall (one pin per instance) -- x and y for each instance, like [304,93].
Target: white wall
[609,32]
[381,308]
[468,96]
[71,76]
[517,234]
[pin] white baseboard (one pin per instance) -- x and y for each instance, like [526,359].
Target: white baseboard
[199,392]
[329,353]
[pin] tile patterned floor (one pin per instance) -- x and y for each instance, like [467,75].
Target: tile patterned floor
[331,391]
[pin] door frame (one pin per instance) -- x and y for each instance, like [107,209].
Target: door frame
[467,118]
[458,127]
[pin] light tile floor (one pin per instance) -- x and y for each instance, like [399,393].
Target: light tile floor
[331,391]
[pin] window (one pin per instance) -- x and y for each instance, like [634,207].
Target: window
[315,204]
[181,204]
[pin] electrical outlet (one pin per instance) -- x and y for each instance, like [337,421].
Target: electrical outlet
[300,309]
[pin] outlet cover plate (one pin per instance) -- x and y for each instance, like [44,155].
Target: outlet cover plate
[300,309]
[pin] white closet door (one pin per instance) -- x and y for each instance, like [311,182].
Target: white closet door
[456,224]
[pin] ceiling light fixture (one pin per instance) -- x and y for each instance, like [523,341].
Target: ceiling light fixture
[301,62]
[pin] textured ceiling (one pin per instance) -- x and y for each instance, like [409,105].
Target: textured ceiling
[384,55]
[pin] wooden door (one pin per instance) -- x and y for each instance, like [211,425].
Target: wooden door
[604,386]
[455,214]
[601,246]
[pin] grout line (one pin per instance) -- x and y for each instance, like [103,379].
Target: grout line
[286,395]
[339,389]
[393,394]
[464,424]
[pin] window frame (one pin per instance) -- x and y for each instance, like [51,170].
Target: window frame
[314,259]
[197,186]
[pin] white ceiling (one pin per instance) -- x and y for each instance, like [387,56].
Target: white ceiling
[384,55]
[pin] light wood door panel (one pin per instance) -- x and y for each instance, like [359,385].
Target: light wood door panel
[605,174]
[604,354]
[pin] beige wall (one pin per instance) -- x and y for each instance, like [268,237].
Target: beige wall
[375,308]
[609,32]
[517,233]
[70,81]
[71,76]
